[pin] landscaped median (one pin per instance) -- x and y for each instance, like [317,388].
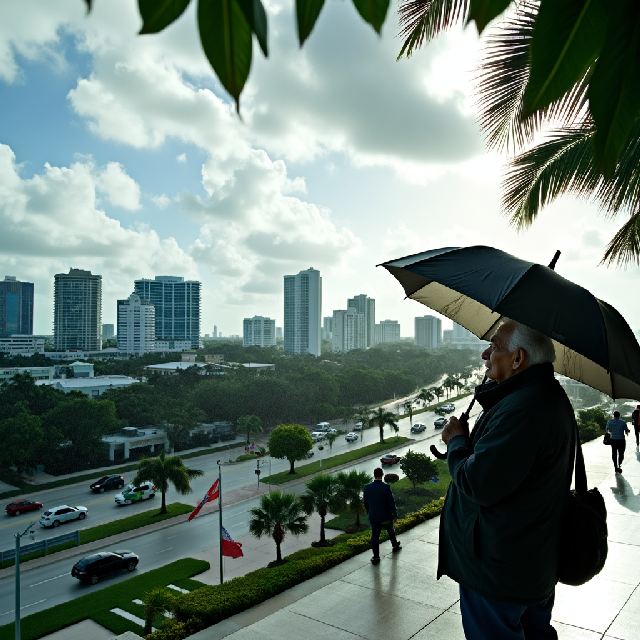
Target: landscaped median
[334,461]
[122,525]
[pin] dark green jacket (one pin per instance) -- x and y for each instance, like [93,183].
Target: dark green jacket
[499,530]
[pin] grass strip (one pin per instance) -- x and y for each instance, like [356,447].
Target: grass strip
[334,461]
[97,605]
[100,531]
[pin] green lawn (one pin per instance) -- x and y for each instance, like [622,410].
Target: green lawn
[334,461]
[407,500]
[97,605]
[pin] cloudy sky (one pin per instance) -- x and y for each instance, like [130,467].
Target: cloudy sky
[122,154]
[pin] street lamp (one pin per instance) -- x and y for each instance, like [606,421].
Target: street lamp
[320,449]
[18,537]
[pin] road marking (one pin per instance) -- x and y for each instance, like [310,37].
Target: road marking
[236,525]
[157,552]
[26,606]
[129,616]
[173,586]
[49,580]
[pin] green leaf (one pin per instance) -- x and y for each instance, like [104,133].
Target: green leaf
[256,16]
[307,12]
[158,14]
[614,90]
[373,11]
[482,12]
[226,39]
[567,38]
[88,3]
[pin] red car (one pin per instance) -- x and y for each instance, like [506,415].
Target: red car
[21,506]
[390,458]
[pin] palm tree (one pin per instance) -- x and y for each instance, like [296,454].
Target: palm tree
[363,414]
[162,471]
[249,424]
[279,513]
[330,439]
[425,396]
[156,602]
[382,418]
[407,407]
[437,392]
[322,496]
[350,489]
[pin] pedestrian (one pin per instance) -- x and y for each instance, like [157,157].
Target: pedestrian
[510,481]
[617,428]
[635,421]
[381,511]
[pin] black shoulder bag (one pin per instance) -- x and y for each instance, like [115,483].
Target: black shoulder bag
[583,539]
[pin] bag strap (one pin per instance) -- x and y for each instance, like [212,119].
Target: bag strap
[579,469]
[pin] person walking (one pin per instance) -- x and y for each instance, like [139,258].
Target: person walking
[510,481]
[635,421]
[381,511]
[617,428]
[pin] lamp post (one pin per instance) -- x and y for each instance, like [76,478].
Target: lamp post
[18,537]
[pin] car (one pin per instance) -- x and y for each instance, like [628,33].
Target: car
[440,422]
[441,411]
[418,428]
[351,437]
[390,458]
[323,427]
[106,483]
[317,436]
[91,568]
[64,513]
[309,454]
[357,426]
[449,407]
[132,493]
[17,507]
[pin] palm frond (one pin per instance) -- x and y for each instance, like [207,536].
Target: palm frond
[422,20]
[624,248]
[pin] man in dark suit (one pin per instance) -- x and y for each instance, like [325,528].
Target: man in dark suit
[381,510]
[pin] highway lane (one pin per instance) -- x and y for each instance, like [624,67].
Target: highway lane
[52,584]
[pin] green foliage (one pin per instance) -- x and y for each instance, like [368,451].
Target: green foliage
[249,424]
[391,478]
[589,431]
[156,602]
[351,483]
[596,415]
[322,495]
[482,12]
[22,439]
[381,419]
[290,441]
[418,467]
[158,14]
[373,11]
[307,12]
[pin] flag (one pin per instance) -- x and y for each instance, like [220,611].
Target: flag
[229,546]
[435,479]
[212,494]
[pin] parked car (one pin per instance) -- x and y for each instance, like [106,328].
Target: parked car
[132,493]
[106,483]
[357,426]
[317,436]
[309,454]
[449,407]
[17,507]
[441,411]
[418,428]
[323,427]
[440,422]
[91,568]
[351,437]
[56,516]
[390,458]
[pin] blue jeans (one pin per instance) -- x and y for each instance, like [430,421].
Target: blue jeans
[484,619]
[376,528]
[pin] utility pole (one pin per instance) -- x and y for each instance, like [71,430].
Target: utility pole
[220,518]
[18,537]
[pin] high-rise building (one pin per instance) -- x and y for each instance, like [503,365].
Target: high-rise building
[302,309]
[177,307]
[77,311]
[258,332]
[464,339]
[215,330]
[348,330]
[387,331]
[428,332]
[447,335]
[136,325]
[16,307]
[108,331]
[327,327]
[279,333]
[367,307]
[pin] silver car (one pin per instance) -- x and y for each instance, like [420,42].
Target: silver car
[56,516]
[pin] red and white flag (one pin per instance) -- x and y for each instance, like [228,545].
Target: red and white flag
[229,546]
[211,495]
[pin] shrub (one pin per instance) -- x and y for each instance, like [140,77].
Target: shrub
[589,431]
[390,478]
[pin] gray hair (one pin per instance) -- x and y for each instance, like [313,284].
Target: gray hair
[538,347]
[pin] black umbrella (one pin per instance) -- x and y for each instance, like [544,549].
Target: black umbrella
[477,286]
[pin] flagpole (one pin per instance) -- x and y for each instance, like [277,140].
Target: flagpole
[220,517]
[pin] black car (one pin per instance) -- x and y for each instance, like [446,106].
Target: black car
[91,568]
[106,483]
[440,422]
[418,428]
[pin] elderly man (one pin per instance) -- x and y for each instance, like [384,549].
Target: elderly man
[500,527]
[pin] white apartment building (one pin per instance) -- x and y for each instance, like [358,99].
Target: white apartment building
[93,387]
[136,326]
[258,332]
[21,345]
[387,331]
[428,332]
[38,373]
[302,312]
[367,307]
[464,339]
[348,330]
[108,331]
[327,327]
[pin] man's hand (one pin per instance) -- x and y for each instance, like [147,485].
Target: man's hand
[455,427]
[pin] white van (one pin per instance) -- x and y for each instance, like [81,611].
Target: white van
[323,427]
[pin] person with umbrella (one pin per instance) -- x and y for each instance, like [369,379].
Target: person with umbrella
[617,428]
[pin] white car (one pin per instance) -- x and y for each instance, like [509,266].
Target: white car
[317,436]
[357,426]
[323,427]
[351,437]
[131,493]
[56,516]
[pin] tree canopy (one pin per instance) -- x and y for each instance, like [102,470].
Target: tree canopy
[290,441]
[418,467]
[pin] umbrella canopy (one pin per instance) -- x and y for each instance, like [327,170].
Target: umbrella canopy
[477,286]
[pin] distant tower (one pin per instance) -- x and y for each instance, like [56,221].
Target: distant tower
[428,332]
[259,332]
[215,330]
[136,326]
[387,331]
[367,307]
[16,307]
[348,330]
[302,311]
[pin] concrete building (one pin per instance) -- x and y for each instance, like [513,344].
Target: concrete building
[93,387]
[108,331]
[38,373]
[16,307]
[21,345]
[77,311]
[177,307]
[258,332]
[79,354]
[387,331]
[278,333]
[447,335]
[173,345]
[130,438]
[327,327]
[302,312]
[428,332]
[367,307]
[348,330]
[464,339]
[136,326]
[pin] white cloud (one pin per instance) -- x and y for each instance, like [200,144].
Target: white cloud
[121,189]
[182,158]
[162,201]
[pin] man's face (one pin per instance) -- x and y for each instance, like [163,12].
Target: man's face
[498,361]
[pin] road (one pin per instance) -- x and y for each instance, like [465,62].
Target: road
[52,584]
